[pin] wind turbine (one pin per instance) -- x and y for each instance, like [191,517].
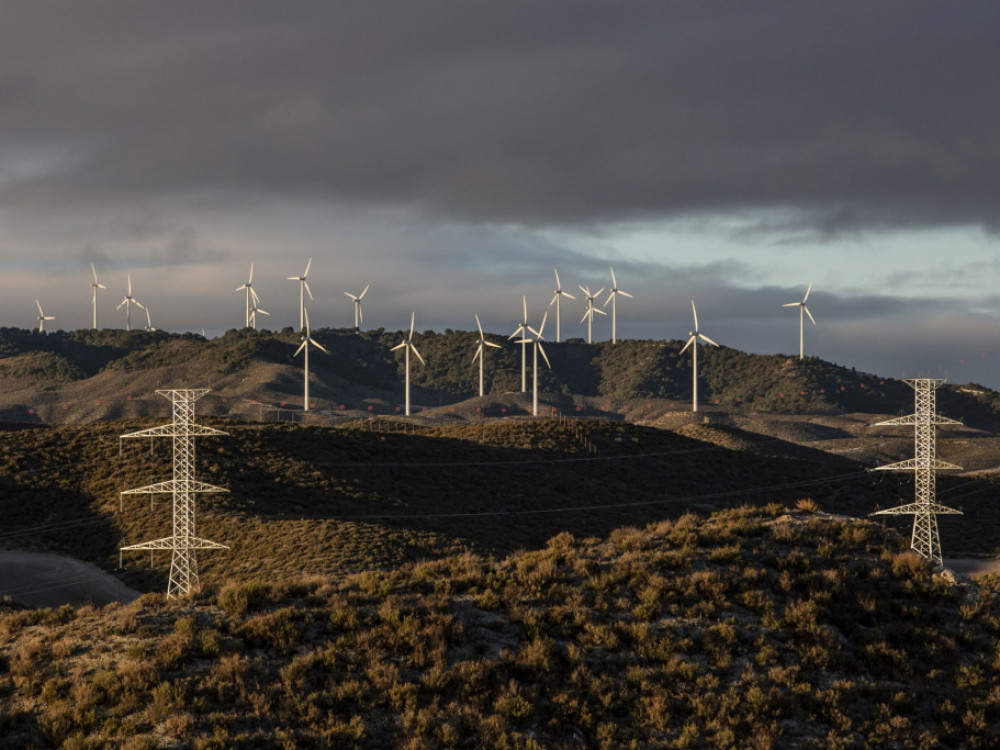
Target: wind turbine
[42,317]
[480,353]
[555,298]
[307,339]
[303,290]
[589,315]
[252,299]
[128,302]
[407,345]
[253,314]
[358,317]
[693,342]
[95,286]
[537,345]
[524,344]
[802,309]
[615,291]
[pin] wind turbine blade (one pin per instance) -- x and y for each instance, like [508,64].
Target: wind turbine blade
[294,278]
[480,327]
[598,310]
[614,281]
[599,292]
[524,302]
[250,280]
[398,346]
[694,310]
[544,356]
[129,284]
[308,290]
[413,318]
[253,295]
[414,350]
[306,272]
[586,314]
[610,297]
[558,285]
[318,345]
[121,303]
[542,326]
[585,290]
[351,296]
[809,289]
[554,298]
[479,351]
[301,347]
[361,314]
[362,295]
[706,339]
[240,288]
[689,342]
[305,314]
[262,312]
[490,343]
[39,304]
[626,294]
[567,294]
[138,304]
[809,314]
[792,304]
[533,331]
[518,330]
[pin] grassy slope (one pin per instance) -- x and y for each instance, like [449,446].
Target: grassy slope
[742,629]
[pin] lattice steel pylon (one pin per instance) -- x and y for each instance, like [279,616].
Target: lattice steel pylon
[926,540]
[184,542]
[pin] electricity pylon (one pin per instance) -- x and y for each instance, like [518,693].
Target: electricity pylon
[183,542]
[926,540]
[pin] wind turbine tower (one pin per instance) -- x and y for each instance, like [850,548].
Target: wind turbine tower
[521,328]
[408,346]
[555,299]
[536,343]
[303,290]
[803,311]
[127,303]
[42,317]
[925,540]
[693,343]
[184,541]
[480,353]
[95,286]
[589,315]
[613,298]
[359,318]
[307,339]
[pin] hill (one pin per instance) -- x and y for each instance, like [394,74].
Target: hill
[108,374]
[751,627]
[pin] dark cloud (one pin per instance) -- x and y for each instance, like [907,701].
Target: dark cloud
[845,116]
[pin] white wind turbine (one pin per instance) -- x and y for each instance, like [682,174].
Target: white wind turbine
[95,286]
[307,340]
[589,315]
[524,344]
[127,303]
[803,310]
[407,345]
[693,342]
[303,290]
[254,312]
[252,299]
[42,317]
[537,345]
[359,318]
[615,291]
[555,298]
[480,353]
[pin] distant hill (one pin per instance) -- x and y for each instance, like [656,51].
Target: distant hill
[46,371]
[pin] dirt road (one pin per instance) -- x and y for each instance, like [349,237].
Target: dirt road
[42,580]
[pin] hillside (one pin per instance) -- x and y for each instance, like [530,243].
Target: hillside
[324,500]
[108,374]
[751,627]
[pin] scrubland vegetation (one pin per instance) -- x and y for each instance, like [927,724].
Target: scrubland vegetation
[754,627]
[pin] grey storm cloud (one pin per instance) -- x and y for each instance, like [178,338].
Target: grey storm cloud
[843,116]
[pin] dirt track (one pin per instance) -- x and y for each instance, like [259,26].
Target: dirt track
[42,580]
[973,566]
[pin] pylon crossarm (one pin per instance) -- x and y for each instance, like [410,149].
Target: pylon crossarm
[913,508]
[176,430]
[914,464]
[175,485]
[165,543]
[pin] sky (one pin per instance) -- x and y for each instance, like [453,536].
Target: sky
[452,154]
